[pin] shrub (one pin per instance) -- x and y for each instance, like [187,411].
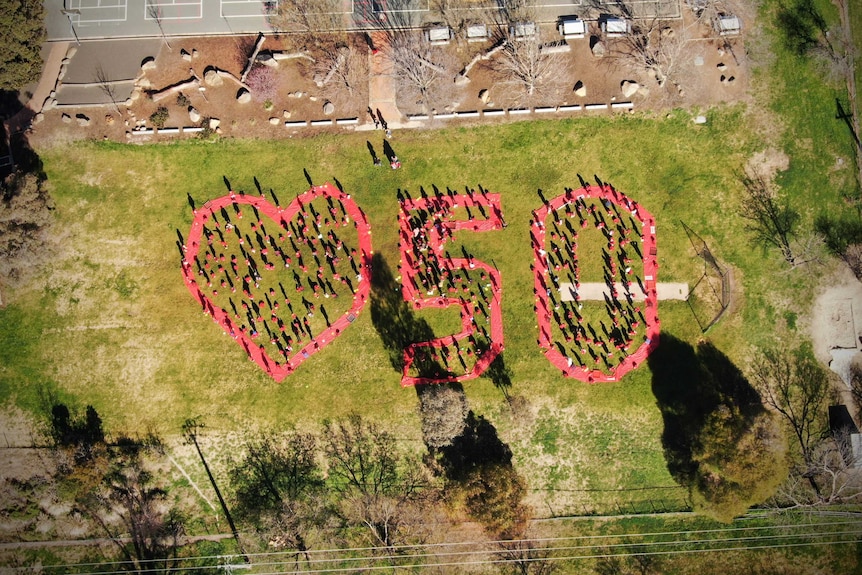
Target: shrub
[262,82]
[159,117]
[183,101]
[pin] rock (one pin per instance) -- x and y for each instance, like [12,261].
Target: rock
[48,103]
[214,123]
[267,60]
[580,90]
[71,51]
[194,115]
[722,66]
[37,118]
[144,83]
[109,119]
[136,93]
[286,114]
[243,96]
[82,120]
[720,52]
[629,88]
[599,49]
[484,95]
[67,119]
[148,63]
[313,98]
[698,60]
[275,121]
[730,80]
[295,94]
[699,120]
[667,32]
[62,73]
[212,78]
[461,80]
[195,54]
[128,135]
[186,56]
[328,108]
[218,130]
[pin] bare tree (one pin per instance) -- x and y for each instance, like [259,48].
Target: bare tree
[342,74]
[106,86]
[796,387]
[531,68]
[521,557]
[424,73]
[378,487]
[832,467]
[308,22]
[771,221]
[154,13]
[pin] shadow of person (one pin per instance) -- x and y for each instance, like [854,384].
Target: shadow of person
[388,151]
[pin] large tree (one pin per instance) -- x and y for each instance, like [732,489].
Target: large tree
[23,33]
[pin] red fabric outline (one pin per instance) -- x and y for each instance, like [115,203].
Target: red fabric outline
[437,237]
[280,216]
[650,261]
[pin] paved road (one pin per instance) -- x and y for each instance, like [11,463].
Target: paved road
[73,20]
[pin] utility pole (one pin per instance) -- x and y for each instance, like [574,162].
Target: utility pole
[191,428]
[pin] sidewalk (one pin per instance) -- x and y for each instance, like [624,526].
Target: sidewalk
[381,84]
[47,81]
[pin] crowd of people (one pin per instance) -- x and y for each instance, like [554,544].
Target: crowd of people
[272,277]
[432,277]
[603,340]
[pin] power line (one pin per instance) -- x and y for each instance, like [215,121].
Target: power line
[479,547]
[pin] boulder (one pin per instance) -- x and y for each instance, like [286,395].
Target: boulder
[186,56]
[266,59]
[67,119]
[275,121]
[699,120]
[38,118]
[195,54]
[295,94]
[194,115]
[599,49]
[48,103]
[71,51]
[629,88]
[214,123]
[721,66]
[212,78]
[82,120]
[62,73]
[286,114]
[148,63]
[580,90]
[243,96]
[328,108]
[485,96]
[109,119]
[461,80]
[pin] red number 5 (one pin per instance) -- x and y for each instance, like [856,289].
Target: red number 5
[431,277]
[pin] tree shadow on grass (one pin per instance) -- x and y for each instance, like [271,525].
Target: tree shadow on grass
[690,385]
[394,319]
[500,375]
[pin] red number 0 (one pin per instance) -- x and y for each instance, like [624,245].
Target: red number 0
[431,277]
[614,334]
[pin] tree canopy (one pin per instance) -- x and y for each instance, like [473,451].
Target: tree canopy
[22,22]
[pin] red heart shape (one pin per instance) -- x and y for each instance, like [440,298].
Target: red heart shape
[304,232]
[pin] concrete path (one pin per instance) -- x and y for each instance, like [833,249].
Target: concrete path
[598,291]
[47,81]
[381,83]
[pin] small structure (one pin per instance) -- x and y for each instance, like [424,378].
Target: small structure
[613,27]
[522,30]
[438,34]
[572,27]
[477,32]
[846,435]
[728,25]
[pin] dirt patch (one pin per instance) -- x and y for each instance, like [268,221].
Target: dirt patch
[836,322]
[767,163]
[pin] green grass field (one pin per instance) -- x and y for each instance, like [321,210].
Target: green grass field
[110,323]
